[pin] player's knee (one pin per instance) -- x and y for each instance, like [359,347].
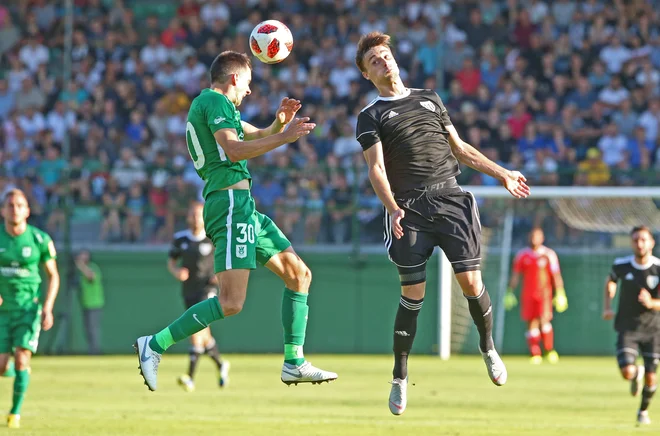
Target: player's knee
[300,277]
[231,302]
[231,307]
[470,282]
[22,359]
[547,327]
[628,372]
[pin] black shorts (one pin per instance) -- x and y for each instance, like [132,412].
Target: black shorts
[447,218]
[192,298]
[629,344]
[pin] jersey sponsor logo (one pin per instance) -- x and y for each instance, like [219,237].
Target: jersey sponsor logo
[7,271]
[27,251]
[392,114]
[629,276]
[401,333]
[652,281]
[219,120]
[241,251]
[205,249]
[428,105]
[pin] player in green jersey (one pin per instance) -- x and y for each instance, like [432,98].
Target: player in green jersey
[22,315]
[220,144]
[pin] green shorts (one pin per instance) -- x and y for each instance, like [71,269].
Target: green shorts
[241,235]
[20,328]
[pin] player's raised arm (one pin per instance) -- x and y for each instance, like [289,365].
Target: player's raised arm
[513,181]
[284,115]
[237,150]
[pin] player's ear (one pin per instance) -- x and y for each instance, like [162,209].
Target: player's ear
[365,75]
[234,78]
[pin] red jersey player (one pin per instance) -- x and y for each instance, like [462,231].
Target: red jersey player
[539,267]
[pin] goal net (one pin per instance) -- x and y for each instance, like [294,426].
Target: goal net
[587,226]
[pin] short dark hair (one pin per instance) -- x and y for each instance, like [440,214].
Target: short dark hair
[366,43]
[642,228]
[13,192]
[227,63]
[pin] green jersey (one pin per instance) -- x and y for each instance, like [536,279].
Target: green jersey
[209,112]
[20,257]
[92,290]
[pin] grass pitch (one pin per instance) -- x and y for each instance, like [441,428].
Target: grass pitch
[98,396]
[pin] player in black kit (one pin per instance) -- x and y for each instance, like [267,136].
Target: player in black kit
[413,154]
[191,262]
[637,320]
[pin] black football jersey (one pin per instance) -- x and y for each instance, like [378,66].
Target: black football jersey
[633,277]
[413,131]
[195,254]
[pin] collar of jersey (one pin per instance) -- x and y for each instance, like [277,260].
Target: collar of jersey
[405,94]
[647,265]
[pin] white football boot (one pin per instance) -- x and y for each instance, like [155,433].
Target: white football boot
[399,396]
[149,361]
[495,366]
[305,373]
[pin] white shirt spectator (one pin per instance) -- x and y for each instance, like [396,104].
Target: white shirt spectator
[211,12]
[188,77]
[615,57]
[650,123]
[59,123]
[176,124]
[152,56]
[613,96]
[341,77]
[297,76]
[613,149]
[32,124]
[15,79]
[563,12]
[33,55]
[537,12]
[128,173]
[645,78]
[345,146]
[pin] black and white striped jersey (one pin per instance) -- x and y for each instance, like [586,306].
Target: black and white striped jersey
[412,130]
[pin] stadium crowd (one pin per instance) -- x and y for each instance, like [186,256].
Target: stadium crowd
[565,91]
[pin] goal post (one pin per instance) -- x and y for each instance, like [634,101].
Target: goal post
[586,226]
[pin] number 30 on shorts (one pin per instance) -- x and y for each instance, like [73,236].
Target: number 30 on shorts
[246,233]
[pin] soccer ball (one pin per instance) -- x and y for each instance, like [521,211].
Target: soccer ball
[271,41]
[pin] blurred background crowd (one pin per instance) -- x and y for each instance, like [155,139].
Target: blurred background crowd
[565,91]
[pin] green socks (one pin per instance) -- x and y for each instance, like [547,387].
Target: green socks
[197,318]
[294,322]
[21,383]
[11,370]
